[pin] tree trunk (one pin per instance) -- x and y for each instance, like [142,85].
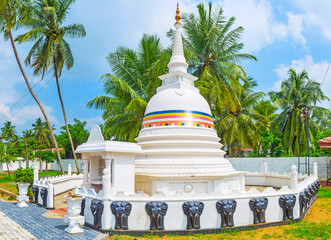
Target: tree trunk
[26,153]
[65,116]
[34,95]
[8,168]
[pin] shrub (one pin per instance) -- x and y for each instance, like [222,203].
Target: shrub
[25,175]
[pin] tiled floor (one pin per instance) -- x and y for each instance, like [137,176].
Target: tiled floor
[31,219]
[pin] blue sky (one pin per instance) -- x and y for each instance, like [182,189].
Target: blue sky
[280,33]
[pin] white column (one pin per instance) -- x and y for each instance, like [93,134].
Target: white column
[106,187]
[35,173]
[50,197]
[108,166]
[294,178]
[85,180]
[265,169]
[315,169]
[69,170]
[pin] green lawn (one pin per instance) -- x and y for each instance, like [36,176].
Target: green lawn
[10,184]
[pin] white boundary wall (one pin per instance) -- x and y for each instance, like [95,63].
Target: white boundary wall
[280,165]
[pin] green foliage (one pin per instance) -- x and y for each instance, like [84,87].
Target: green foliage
[297,93]
[132,85]
[25,175]
[78,133]
[47,156]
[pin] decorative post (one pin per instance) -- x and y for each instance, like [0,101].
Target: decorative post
[265,168]
[35,173]
[315,169]
[106,220]
[50,195]
[85,180]
[294,178]
[69,170]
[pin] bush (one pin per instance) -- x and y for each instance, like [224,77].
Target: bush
[25,175]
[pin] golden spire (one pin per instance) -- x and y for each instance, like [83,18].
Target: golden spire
[177,15]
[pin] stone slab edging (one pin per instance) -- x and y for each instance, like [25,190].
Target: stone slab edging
[7,192]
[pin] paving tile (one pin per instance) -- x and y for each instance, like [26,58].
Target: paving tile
[31,220]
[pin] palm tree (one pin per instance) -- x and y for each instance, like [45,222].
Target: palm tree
[237,129]
[50,49]
[297,93]
[41,133]
[27,135]
[12,14]
[213,52]
[9,132]
[134,82]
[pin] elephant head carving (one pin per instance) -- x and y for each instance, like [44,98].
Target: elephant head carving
[97,210]
[303,201]
[226,208]
[156,212]
[121,211]
[193,211]
[35,191]
[287,202]
[308,195]
[43,194]
[82,207]
[258,206]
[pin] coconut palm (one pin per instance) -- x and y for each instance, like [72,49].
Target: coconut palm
[51,49]
[27,135]
[297,93]
[9,132]
[12,15]
[263,112]
[134,82]
[213,53]
[238,129]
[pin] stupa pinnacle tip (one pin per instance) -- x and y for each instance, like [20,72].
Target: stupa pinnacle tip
[177,15]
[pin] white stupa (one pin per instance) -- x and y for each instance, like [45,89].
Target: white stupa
[181,149]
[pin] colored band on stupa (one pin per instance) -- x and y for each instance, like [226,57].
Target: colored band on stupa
[178,118]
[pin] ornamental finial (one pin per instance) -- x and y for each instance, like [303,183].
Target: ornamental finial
[177,15]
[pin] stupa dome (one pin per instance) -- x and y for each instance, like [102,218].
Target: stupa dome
[178,107]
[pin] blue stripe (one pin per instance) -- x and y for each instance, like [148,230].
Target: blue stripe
[177,111]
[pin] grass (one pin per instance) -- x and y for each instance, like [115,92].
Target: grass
[49,174]
[316,225]
[10,184]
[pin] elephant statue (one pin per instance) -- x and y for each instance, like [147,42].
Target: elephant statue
[303,202]
[193,211]
[97,210]
[35,191]
[226,208]
[156,212]
[121,211]
[308,195]
[313,186]
[258,206]
[287,202]
[82,207]
[43,194]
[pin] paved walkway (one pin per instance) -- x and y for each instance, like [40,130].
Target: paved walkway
[30,222]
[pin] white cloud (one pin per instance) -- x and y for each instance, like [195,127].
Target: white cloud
[92,121]
[296,26]
[316,71]
[26,114]
[316,14]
